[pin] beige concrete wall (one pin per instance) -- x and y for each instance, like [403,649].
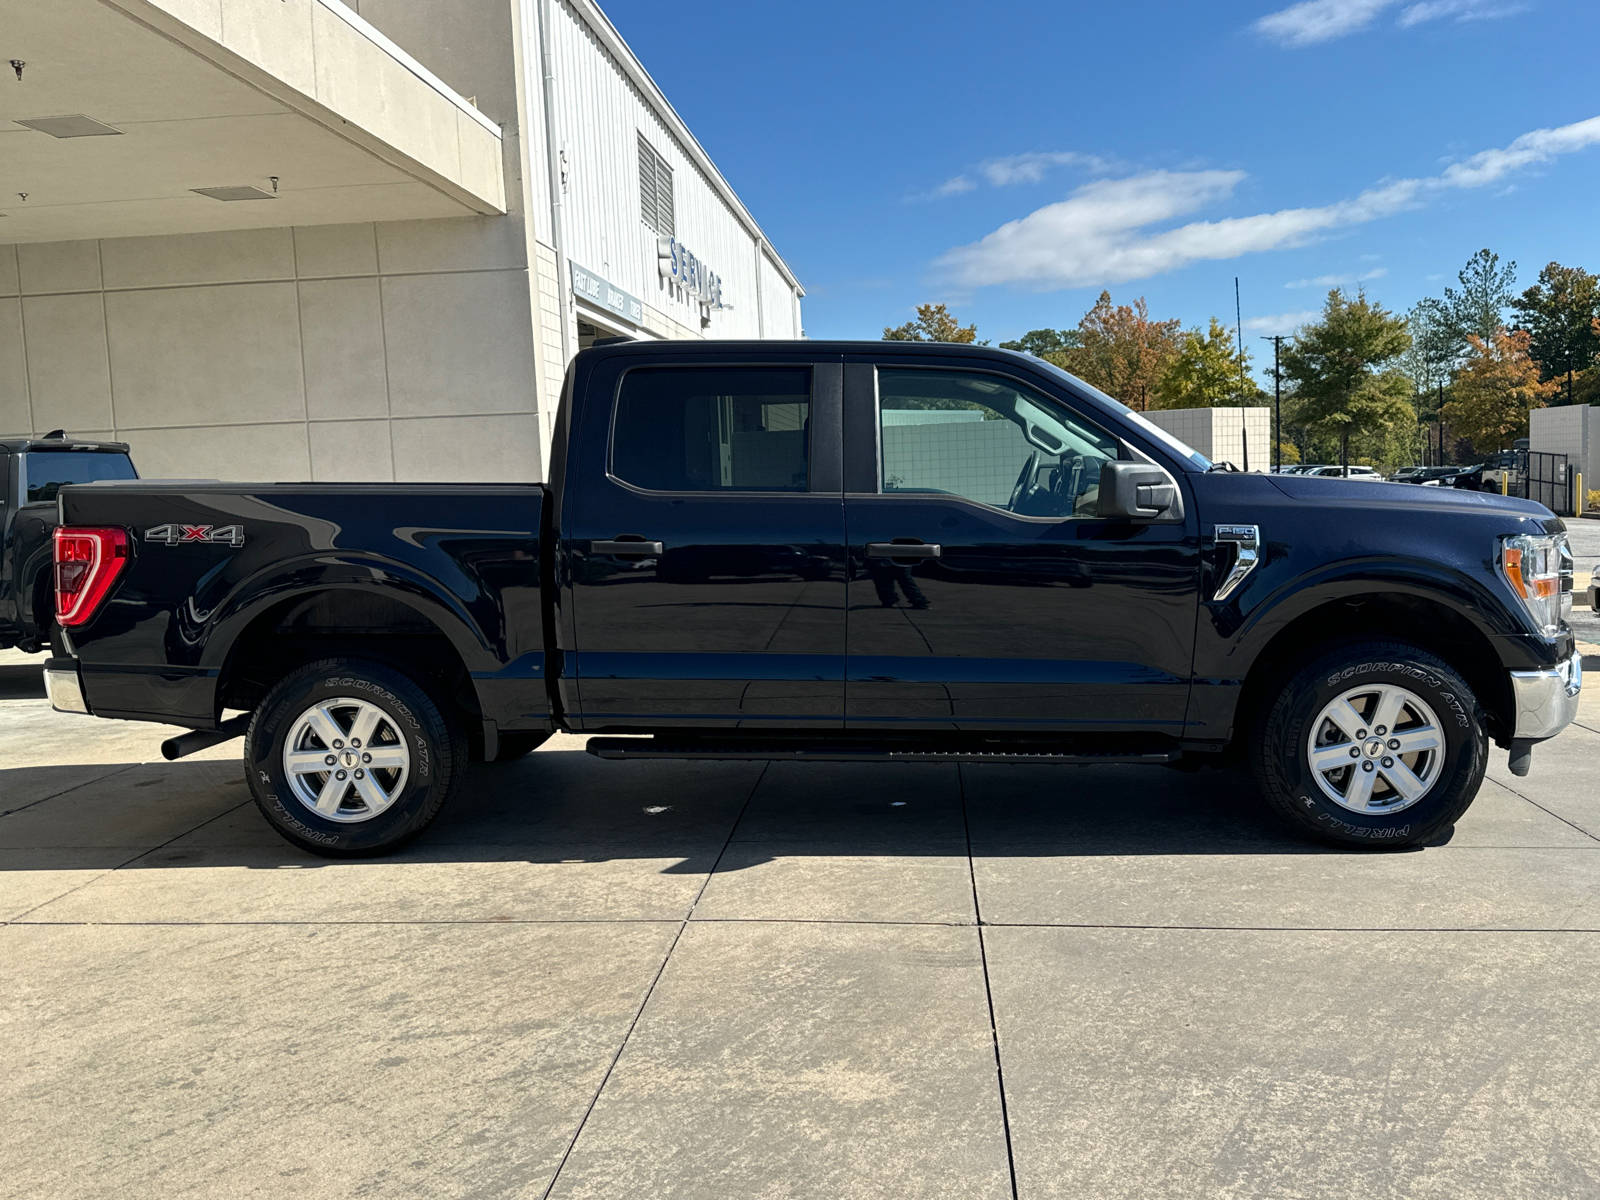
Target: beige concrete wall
[399,350]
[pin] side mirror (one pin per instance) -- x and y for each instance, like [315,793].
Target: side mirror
[1136,491]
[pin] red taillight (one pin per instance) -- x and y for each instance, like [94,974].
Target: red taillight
[88,562]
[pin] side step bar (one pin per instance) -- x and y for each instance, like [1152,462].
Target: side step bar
[627,749]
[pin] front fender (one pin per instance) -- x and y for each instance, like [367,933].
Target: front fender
[1242,628]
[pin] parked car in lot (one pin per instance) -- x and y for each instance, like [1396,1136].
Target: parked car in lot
[878,551]
[32,472]
[1353,471]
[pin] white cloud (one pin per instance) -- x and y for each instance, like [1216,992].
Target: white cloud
[1461,10]
[1284,323]
[1313,21]
[1333,281]
[1097,234]
[1031,168]
[1011,169]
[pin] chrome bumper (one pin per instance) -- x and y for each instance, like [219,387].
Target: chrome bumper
[1547,701]
[64,687]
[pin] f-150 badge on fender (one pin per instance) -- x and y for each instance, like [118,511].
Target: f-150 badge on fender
[173,535]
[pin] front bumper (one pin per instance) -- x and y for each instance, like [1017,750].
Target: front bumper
[1547,701]
[64,686]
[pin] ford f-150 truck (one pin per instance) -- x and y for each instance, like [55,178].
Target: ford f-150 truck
[830,551]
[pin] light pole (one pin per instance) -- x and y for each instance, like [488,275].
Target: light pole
[1277,400]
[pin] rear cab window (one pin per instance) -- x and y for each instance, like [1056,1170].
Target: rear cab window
[46,472]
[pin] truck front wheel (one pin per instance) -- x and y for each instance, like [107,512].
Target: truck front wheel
[1371,745]
[349,758]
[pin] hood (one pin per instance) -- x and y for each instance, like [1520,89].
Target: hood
[1403,497]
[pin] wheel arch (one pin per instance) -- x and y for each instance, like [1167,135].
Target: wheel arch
[1413,615]
[343,618]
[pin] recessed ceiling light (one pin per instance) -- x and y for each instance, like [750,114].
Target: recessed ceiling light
[242,192]
[69,127]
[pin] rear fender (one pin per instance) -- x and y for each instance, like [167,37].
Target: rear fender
[348,572]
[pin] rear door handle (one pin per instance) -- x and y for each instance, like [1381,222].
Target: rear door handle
[637,546]
[903,550]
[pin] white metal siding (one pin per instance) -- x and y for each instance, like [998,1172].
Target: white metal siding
[599,114]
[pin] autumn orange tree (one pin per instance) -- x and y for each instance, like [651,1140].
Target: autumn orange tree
[1495,390]
[1122,351]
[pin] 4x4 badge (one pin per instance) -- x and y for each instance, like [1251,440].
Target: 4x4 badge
[173,535]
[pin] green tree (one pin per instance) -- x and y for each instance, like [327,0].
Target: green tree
[1052,345]
[1207,373]
[1435,349]
[1486,292]
[1559,314]
[1344,373]
[933,324]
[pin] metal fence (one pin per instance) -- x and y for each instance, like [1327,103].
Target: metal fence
[1546,478]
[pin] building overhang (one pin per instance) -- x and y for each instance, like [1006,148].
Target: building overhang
[134,117]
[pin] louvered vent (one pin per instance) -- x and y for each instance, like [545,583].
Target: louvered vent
[655,190]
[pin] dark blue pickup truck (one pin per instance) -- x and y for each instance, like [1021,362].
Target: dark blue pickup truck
[828,551]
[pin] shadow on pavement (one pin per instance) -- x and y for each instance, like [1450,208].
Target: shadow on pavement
[565,806]
[21,681]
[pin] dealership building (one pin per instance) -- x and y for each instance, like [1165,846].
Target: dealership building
[360,240]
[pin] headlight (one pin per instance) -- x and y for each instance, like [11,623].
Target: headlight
[1539,570]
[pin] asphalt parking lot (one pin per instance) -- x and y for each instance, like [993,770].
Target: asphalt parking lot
[733,980]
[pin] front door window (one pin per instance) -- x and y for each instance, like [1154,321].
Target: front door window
[985,439]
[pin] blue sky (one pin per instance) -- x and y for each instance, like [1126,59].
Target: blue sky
[1012,158]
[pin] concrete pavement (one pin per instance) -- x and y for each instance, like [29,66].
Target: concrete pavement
[730,980]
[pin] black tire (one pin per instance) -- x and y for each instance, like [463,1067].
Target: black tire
[434,742]
[516,743]
[1280,755]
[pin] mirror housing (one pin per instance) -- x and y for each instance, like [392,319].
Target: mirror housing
[1136,491]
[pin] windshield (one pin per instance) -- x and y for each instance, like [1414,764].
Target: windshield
[1146,426]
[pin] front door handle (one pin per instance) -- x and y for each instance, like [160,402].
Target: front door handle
[628,545]
[904,550]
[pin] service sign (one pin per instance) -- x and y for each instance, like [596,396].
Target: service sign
[606,295]
[678,263]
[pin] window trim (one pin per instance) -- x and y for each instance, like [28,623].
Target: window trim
[811,367]
[1123,449]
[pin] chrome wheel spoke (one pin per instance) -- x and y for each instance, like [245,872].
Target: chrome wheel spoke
[332,793]
[1359,794]
[365,725]
[377,799]
[1391,702]
[1331,758]
[1404,781]
[1349,721]
[323,725]
[386,757]
[1425,737]
[305,762]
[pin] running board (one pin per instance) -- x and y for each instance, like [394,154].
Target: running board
[618,749]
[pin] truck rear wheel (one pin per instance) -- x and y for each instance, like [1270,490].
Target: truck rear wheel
[1371,745]
[349,758]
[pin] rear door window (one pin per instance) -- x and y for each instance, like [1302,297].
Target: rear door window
[47,471]
[713,429]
